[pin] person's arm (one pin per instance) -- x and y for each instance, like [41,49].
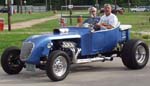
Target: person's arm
[104,25]
[101,24]
[108,26]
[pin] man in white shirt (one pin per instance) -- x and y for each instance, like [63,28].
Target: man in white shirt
[108,20]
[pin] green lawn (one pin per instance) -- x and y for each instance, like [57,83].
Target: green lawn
[140,20]
[15,37]
[25,17]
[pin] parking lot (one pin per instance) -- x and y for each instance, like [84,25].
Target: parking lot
[92,74]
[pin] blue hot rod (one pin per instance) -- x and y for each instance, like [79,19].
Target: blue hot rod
[55,52]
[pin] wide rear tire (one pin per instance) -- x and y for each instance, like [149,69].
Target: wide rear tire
[10,60]
[135,54]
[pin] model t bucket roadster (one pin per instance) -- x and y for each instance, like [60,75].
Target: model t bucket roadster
[55,52]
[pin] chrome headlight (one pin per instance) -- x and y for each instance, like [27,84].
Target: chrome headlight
[49,45]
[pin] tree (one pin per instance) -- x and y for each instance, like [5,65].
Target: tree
[135,2]
[2,2]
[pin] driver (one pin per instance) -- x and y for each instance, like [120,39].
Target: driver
[93,19]
[108,20]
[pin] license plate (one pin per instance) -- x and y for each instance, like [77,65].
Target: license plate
[30,67]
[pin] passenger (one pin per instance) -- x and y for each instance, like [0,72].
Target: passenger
[93,19]
[108,20]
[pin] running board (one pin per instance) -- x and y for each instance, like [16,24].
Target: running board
[79,61]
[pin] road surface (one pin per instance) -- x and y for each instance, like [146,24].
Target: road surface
[92,74]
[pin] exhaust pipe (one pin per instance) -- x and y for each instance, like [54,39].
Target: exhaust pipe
[96,59]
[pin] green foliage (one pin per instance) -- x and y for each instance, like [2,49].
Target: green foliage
[146,36]
[136,2]
[81,2]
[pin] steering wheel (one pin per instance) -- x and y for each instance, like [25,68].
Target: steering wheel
[90,26]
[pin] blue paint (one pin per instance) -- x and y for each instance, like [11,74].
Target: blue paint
[90,42]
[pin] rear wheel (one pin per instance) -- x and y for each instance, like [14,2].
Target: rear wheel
[135,54]
[58,65]
[10,60]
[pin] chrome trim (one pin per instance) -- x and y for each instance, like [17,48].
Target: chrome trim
[140,54]
[67,44]
[75,54]
[26,50]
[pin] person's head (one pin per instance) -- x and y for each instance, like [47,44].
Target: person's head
[107,9]
[93,11]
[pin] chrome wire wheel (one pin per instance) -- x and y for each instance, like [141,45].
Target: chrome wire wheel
[59,66]
[140,54]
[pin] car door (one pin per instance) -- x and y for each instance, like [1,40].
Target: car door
[98,41]
[104,40]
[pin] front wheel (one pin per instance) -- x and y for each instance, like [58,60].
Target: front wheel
[10,60]
[58,65]
[135,54]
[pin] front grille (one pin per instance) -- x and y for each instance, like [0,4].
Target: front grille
[26,50]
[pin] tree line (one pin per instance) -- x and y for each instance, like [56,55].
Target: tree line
[57,3]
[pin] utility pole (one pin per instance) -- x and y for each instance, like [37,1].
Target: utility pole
[129,4]
[115,2]
[66,4]
[25,4]
[9,15]
[70,3]
[46,5]
[96,1]
[21,7]
[96,4]
[17,6]
[115,5]
[49,5]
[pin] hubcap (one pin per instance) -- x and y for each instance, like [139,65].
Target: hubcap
[140,54]
[59,66]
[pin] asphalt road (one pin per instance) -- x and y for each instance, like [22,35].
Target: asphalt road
[92,74]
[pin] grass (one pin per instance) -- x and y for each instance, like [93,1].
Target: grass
[25,17]
[139,21]
[15,37]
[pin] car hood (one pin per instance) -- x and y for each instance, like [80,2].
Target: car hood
[73,32]
[51,36]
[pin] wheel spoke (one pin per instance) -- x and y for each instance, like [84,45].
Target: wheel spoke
[60,66]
